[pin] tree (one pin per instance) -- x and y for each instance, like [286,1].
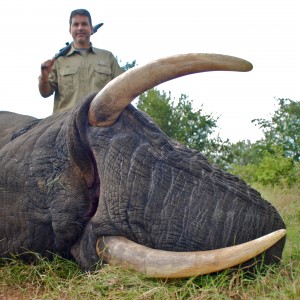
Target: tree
[128,65]
[283,128]
[274,159]
[179,121]
[242,153]
[159,107]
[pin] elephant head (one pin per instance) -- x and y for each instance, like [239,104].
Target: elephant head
[169,197]
[104,182]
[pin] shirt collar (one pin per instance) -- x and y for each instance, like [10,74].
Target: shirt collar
[73,50]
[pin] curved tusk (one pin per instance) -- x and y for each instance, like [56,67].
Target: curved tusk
[117,94]
[168,264]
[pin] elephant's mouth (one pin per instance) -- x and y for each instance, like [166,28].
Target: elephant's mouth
[105,109]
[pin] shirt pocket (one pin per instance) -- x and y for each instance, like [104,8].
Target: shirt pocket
[68,74]
[102,76]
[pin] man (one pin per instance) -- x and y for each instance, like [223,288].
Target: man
[83,70]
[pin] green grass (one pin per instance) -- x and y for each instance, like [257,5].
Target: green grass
[62,279]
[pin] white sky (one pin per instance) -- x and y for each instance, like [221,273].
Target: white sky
[265,32]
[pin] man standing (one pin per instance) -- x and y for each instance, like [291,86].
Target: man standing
[83,70]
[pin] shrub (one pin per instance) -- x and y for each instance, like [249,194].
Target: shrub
[272,169]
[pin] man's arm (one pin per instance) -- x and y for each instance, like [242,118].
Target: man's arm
[45,87]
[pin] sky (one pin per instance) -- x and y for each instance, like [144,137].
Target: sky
[266,33]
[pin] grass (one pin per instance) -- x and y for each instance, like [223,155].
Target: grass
[62,279]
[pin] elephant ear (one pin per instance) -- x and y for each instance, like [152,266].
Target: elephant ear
[78,145]
[117,94]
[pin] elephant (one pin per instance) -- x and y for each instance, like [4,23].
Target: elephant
[103,183]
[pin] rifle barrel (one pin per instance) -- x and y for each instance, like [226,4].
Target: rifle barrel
[96,27]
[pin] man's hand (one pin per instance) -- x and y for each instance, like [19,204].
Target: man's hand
[44,85]
[46,68]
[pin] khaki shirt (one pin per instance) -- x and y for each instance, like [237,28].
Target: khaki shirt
[76,75]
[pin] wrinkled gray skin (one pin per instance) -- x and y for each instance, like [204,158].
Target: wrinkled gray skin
[64,183]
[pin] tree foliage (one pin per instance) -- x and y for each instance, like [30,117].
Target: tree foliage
[241,153]
[283,128]
[273,160]
[271,169]
[179,120]
[128,65]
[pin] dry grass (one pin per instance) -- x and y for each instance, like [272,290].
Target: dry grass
[62,279]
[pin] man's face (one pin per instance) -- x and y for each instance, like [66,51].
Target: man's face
[81,31]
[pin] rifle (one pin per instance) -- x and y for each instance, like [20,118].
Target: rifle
[65,50]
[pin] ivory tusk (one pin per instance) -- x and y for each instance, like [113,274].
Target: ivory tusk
[117,94]
[168,264]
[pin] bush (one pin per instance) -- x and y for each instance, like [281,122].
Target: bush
[272,169]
